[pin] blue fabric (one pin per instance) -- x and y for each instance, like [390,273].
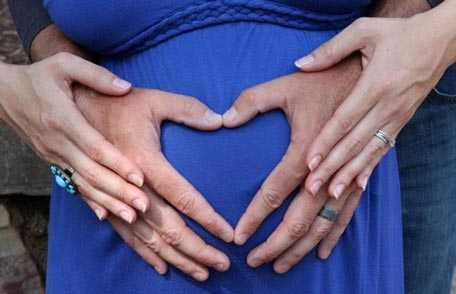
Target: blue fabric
[215,62]
[427,161]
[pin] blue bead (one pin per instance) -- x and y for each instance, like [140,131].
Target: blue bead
[60,181]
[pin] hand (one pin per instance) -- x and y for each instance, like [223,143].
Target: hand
[132,124]
[308,101]
[38,103]
[394,83]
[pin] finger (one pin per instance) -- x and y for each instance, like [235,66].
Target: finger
[92,143]
[296,222]
[349,148]
[250,103]
[100,211]
[353,109]
[285,177]
[92,75]
[319,230]
[332,52]
[104,179]
[173,230]
[373,152]
[152,239]
[168,183]
[327,245]
[188,111]
[115,206]
[138,246]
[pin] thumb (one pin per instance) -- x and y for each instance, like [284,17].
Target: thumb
[92,75]
[251,102]
[333,51]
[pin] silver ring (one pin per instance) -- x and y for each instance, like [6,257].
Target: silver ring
[382,136]
[328,214]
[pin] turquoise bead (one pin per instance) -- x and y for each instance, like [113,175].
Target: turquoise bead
[60,181]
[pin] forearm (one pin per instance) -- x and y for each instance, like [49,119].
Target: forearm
[51,41]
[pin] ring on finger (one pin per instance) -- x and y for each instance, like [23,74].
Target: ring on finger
[63,178]
[328,213]
[382,136]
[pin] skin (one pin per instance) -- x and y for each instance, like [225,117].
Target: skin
[166,239]
[28,105]
[394,83]
[161,228]
[301,229]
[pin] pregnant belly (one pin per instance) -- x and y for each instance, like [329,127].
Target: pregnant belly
[215,64]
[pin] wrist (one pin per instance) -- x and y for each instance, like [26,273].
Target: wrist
[51,41]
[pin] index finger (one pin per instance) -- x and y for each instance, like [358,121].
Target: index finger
[285,177]
[168,183]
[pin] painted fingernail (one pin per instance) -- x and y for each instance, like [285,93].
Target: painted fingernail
[315,162]
[221,267]
[363,182]
[213,118]
[304,61]
[281,268]
[315,187]
[340,188]
[230,115]
[240,239]
[160,270]
[121,84]
[100,214]
[140,204]
[126,216]
[200,276]
[136,179]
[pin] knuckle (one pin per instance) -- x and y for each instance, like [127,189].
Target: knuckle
[356,144]
[189,106]
[153,243]
[248,97]
[50,121]
[186,202]
[297,229]
[321,231]
[271,198]
[344,123]
[172,236]
[94,152]
[361,24]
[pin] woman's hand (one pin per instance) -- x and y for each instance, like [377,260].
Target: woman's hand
[402,59]
[308,101]
[37,101]
[132,124]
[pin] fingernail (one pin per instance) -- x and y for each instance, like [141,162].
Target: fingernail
[136,179]
[99,213]
[254,262]
[121,84]
[324,254]
[221,267]
[161,271]
[304,61]
[213,118]
[240,239]
[281,268]
[340,188]
[315,187]
[126,216]
[364,182]
[200,276]
[230,115]
[315,162]
[227,236]
[140,204]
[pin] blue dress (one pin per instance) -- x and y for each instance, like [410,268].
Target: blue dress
[213,50]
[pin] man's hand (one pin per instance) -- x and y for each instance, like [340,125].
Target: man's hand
[308,101]
[132,124]
[403,59]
